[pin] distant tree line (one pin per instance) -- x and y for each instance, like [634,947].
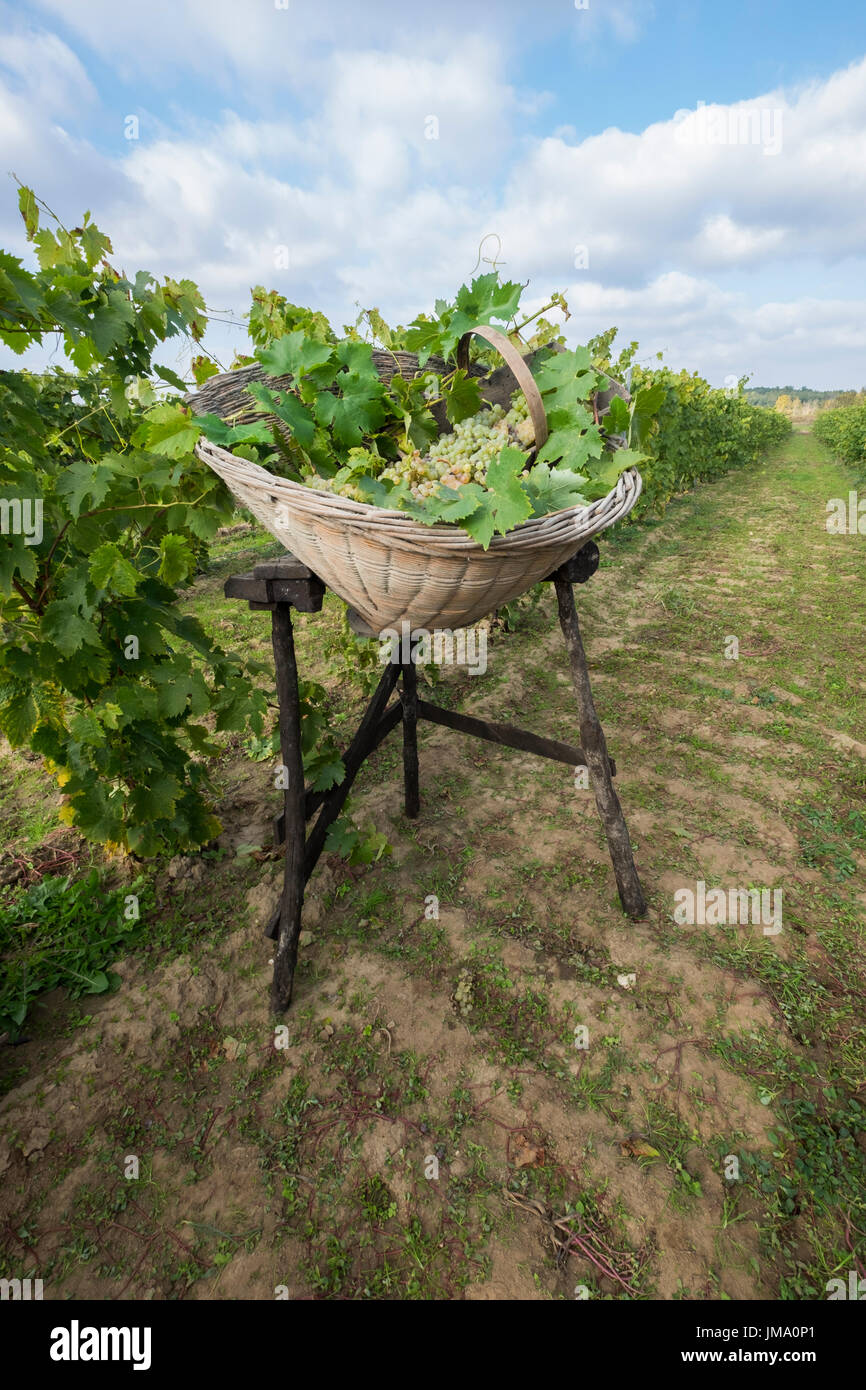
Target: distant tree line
[768,395]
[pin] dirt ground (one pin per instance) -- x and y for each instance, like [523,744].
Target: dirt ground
[491,1084]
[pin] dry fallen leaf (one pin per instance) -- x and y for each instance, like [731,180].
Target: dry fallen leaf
[526,1155]
[636,1147]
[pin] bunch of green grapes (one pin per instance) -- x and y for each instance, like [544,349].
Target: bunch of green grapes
[351,490]
[457,458]
[464,455]
[363,460]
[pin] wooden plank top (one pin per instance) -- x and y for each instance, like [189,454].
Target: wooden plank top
[284,567]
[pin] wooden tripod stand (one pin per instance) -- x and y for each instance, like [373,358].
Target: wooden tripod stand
[284,584]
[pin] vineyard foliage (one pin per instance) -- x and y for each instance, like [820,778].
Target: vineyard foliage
[702,432]
[844,431]
[107,513]
[100,672]
[698,431]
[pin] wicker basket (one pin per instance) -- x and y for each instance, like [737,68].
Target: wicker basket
[392,569]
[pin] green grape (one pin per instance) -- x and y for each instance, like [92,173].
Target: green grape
[461,457]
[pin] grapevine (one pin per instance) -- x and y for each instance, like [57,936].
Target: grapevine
[101,674]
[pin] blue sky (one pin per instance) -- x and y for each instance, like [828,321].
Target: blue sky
[731,239]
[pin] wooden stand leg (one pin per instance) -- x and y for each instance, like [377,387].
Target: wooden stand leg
[409,698]
[286,952]
[594,746]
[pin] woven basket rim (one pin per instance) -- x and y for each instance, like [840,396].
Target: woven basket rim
[334,508]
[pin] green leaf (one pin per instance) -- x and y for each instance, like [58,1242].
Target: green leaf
[29,211]
[110,570]
[177,560]
[572,448]
[18,718]
[63,626]
[218,432]
[408,400]
[352,416]
[357,359]
[94,245]
[482,523]
[288,408]
[554,489]
[143,839]
[325,772]
[294,355]
[98,983]
[158,799]
[564,371]
[510,502]
[485,300]
[423,338]
[618,417]
[16,558]
[203,368]
[462,397]
[604,476]
[645,407]
[86,480]
[111,321]
[171,430]
[455,504]
[166,374]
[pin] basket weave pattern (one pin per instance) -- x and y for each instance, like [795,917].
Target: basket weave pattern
[392,569]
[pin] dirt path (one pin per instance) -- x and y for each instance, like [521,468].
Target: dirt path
[524,1096]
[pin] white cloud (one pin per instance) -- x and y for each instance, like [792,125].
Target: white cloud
[48,71]
[370,209]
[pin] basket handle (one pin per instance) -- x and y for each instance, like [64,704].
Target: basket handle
[521,372]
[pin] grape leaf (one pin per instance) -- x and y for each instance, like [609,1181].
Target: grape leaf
[16,557]
[618,417]
[554,489]
[218,432]
[571,447]
[408,398]
[166,374]
[560,369]
[171,430]
[481,524]
[462,397]
[324,772]
[486,299]
[455,504]
[357,358]
[111,571]
[647,403]
[510,502]
[423,337]
[157,799]
[29,210]
[374,492]
[351,416]
[111,321]
[286,406]
[202,368]
[64,627]
[177,561]
[294,354]
[18,718]
[604,475]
